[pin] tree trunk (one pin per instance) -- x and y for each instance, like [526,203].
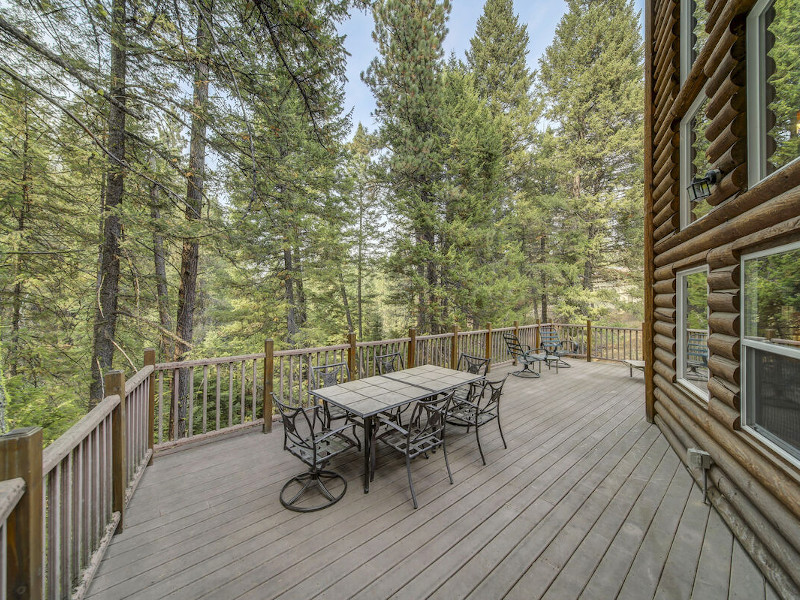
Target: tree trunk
[291,312]
[360,267]
[105,320]
[187,291]
[346,305]
[16,302]
[160,265]
[543,248]
[302,310]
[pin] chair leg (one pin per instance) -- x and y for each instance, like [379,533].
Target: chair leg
[478,437]
[411,483]
[500,427]
[447,462]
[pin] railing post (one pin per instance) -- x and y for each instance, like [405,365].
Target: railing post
[489,345]
[588,340]
[640,341]
[21,456]
[150,359]
[537,338]
[412,348]
[269,373]
[115,385]
[351,355]
[516,335]
[454,348]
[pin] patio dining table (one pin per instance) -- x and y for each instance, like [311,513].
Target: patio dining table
[367,398]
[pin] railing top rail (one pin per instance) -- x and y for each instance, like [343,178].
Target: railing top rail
[134,382]
[502,329]
[434,336]
[55,452]
[296,351]
[383,342]
[11,490]
[474,332]
[180,364]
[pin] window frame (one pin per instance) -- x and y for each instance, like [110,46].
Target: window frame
[680,332]
[764,347]
[685,160]
[756,100]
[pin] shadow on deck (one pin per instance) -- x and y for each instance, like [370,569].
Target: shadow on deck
[589,501]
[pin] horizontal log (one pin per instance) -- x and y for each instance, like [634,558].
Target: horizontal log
[669,170]
[724,323]
[728,92]
[666,135]
[665,272]
[665,287]
[723,345]
[665,300]
[722,119]
[667,215]
[665,357]
[667,194]
[667,329]
[726,278]
[726,139]
[714,10]
[667,343]
[666,88]
[731,34]
[731,184]
[733,157]
[764,205]
[665,371]
[669,153]
[663,230]
[724,368]
[725,391]
[731,67]
[719,258]
[724,413]
[724,301]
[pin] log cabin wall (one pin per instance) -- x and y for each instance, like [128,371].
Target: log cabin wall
[755,488]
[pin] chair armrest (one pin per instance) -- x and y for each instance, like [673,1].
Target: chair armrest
[331,432]
[393,425]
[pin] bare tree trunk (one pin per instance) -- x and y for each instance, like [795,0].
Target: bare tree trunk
[360,266]
[346,305]
[187,291]
[16,302]
[291,313]
[105,320]
[160,266]
[302,310]
[543,247]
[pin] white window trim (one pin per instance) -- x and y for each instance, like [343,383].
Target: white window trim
[681,332]
[685,176]
[686,38]
[756,100]
[764,346]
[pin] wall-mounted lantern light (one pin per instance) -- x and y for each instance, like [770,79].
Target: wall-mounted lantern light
[701,188]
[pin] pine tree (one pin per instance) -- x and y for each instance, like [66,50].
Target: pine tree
[591,83]
[406,79]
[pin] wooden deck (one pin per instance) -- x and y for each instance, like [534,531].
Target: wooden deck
[589,501]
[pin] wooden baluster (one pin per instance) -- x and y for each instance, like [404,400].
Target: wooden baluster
[269,367]
[21,456]
[216,406]
[150,359]
[230,394]
[190,414]
[243,399]
[255,388]
[205,398]
[160,406]
[351,355]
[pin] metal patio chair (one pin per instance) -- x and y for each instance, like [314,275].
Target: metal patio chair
[471,364]
[305,436]
[479,411]
[524,355]
[333,374]
[390,363]
[554,348]
[423,434]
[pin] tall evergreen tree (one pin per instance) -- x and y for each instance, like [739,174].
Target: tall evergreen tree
[591,82]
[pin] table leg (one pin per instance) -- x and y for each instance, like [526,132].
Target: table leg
[367,450]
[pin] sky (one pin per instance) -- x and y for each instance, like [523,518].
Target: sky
[541,17]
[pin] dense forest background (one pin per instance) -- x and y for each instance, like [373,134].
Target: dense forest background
[182,175]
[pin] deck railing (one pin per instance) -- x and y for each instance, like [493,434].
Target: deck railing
[77,489]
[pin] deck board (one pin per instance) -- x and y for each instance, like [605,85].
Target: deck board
[588,501]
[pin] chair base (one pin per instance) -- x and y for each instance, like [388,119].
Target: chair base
[312,481]
[526,373]
[559,362]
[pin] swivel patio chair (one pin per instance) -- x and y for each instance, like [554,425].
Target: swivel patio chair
[333,374]
[477,412]
[524,355]
[554,348]
[305,436]
[423,434]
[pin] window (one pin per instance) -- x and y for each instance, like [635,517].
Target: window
[771,346]
[693,33]
[693,330]
[693,159]
[773,89]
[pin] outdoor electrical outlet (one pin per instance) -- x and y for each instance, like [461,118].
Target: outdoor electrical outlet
[699,459]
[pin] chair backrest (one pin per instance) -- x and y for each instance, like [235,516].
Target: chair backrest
[299,429]
[330,374]
[389,363]
[515,349]
[492,401]
[549,338]
[473,364]
[429,418]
